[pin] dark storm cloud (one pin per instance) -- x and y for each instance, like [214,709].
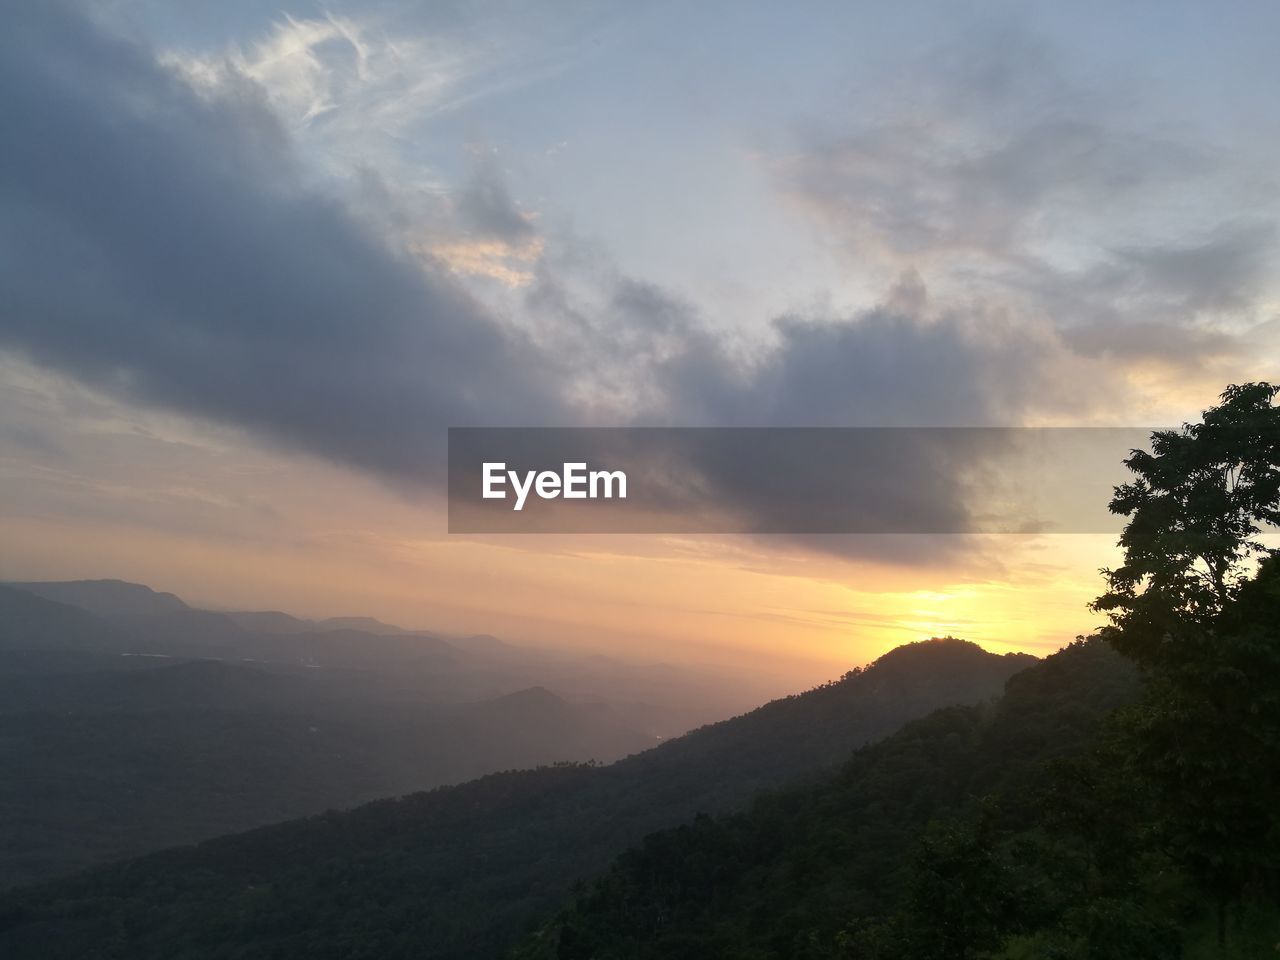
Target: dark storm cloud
[156,241]
[904,363]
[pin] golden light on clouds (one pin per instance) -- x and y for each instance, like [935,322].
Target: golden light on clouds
[510,264]
[631,250]
[222,521]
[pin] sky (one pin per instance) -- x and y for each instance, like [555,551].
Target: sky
[256,259]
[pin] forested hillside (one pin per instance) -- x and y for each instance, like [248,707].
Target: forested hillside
[1118,802]
[460,872]
[1087,815]
[811,870]
[135,723]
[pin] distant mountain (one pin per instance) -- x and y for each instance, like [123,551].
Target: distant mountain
[273,621]
[459,872]
[106,598]
[204,633]
[381,660]
[390,664]
[186,632]
[127,733]
[135,601]
[527,704]
[270,621]
[112,615]
[364,624]
[102,765]
[31,622]
[191,685]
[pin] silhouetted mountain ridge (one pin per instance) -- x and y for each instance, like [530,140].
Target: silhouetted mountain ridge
[30,622]
[105,598]
[456,872]
[801,872]
[129,733]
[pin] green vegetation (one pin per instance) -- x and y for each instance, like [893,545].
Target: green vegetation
[1119,801]
[1084,817]
[840,868]
[101,782]
[462,871]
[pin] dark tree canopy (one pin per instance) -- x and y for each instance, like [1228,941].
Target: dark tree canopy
[1199,501]
[1187,605]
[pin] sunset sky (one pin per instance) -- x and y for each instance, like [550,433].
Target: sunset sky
[256,259]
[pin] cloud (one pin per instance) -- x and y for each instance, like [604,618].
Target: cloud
[164,237]
[1129,255]
[346,86]
[1223,273]
[644,357]
[924,189]
[908,361]
[487,233]
[985,151]
[161,241]
[486,207]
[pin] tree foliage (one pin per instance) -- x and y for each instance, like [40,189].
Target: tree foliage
[1185,606]
[1196,506]
[1120,839]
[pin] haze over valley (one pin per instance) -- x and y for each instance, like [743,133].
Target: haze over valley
[132,721]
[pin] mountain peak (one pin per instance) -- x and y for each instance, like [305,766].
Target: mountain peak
[532,696]
[105,598]
[948,648]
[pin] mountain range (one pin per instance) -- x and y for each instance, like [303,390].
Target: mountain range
[457,871]
[136,722]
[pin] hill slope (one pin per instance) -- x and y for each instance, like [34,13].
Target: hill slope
[115,742]
[31,623]
[458,872]
[796,875]
[182,753]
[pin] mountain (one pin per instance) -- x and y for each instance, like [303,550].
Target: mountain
[273,621]
[380,661]
[461,871]
[129,733]
[204,633]
[99,766]
[799,734]
[186,632]
[185,685]
[524,706]
[270,621]
[106,598]
[364,624]
[811,871]
[30,622]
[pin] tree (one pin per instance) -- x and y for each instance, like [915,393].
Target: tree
[1197,505]
[1184,605]
[959,898]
